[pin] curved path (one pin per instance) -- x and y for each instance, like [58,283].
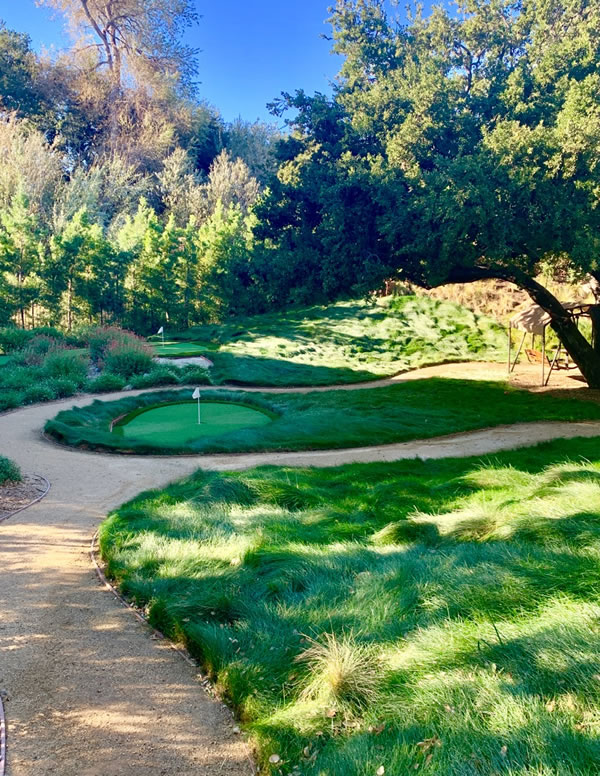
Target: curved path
[90,693]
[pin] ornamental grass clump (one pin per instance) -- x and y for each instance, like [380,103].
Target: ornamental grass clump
[343,673]
[128,358]
[9,471]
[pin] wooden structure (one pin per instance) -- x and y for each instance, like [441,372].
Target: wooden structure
[534,320]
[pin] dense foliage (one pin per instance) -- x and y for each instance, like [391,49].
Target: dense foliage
[456,147]
[123,197]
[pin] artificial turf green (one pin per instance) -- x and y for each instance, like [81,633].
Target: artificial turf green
[414,409]
[181,424]
[347,342]
[438,617]
[179,349]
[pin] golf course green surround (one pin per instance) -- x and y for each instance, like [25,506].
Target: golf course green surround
[181,423]
[319,420]
[180,349]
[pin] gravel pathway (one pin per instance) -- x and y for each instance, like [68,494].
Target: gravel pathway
[88,692]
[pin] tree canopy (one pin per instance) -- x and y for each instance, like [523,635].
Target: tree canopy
[457,146]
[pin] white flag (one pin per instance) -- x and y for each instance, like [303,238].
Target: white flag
[161,330]
[196,394]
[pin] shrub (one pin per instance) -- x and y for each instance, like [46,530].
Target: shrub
[128,358]
[101,339]
[9,400]
[194,375]
[106,383]
[36,350]
[12,339]
[161,375]
[19,377]
[67,364]
[63,387]
[49,331]
[9,471]
[41,391]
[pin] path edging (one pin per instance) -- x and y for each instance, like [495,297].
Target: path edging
[2,739]
[181,651]
[31,503]
[131,608]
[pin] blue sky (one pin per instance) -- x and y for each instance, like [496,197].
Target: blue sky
[251,50]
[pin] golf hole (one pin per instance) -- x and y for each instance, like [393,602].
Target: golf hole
[177,423]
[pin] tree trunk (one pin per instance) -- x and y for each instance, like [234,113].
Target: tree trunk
[586,356]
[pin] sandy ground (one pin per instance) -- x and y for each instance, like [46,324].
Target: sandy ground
[19,495]
[202,361]
[90,692]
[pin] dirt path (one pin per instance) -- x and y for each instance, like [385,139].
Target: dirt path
[91,694]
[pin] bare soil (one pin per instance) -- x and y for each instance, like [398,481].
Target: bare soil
[18,495]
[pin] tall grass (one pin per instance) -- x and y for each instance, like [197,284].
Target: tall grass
[460,652]
[333,419]
[347,342]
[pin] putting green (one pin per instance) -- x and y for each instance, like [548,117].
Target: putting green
[177,424]
[178,349]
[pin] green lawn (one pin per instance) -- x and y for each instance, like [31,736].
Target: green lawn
[438,617]
[184,422]
[179,349]
[347,342]
[331,419]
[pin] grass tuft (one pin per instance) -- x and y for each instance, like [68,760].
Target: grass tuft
[343,673]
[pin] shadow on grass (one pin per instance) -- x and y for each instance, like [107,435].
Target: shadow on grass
[488,648]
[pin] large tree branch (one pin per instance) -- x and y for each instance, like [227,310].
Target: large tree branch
[98,31]
[580,350]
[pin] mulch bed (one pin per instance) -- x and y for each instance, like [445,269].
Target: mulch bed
[20,494]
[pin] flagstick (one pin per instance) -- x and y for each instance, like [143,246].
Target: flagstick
[198,410]
[162,334]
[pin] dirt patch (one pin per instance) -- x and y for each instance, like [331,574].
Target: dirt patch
[19,495]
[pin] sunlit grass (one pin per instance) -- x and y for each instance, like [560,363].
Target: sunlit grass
[347,342]
[439,616]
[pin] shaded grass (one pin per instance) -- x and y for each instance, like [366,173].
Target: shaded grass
[333,419]
[441,616]
[347,342]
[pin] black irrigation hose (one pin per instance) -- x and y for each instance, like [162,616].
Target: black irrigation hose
[2,739]
[31,503]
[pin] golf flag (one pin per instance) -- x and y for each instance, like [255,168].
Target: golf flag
[161,330]
[196,395]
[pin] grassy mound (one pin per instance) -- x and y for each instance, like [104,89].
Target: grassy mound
[331,419]
[347,342]
[440,616]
